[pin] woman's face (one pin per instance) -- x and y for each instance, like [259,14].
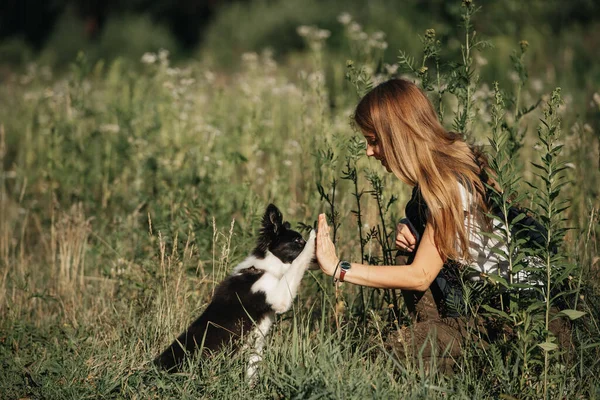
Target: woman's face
[374,149]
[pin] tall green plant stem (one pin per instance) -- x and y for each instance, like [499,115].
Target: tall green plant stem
[550,173]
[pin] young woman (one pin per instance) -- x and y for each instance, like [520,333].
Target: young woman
[446,215]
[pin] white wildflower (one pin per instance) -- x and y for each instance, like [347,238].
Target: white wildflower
[149,58]
[344,18]
[109,128]
[537,85]
[209,76]
[323,34]
[391,69]
[304,30]
[250,57]
[355,27]
[163,55]
[287,163]
[379,36]
[260,171]
[187,82]
[173,71]
[596,98]
[480,60]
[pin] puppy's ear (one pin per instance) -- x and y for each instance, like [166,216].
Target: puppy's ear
[271,226]
[272,220]
[287,225]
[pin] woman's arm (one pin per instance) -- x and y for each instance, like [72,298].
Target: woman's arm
[416,276]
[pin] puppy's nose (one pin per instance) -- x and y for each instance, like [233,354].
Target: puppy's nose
[302,242]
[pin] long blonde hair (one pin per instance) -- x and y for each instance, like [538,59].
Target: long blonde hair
[419,151]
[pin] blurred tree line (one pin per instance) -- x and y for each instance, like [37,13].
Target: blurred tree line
[34,20]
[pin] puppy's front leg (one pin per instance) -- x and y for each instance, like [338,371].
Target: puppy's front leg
[283,294]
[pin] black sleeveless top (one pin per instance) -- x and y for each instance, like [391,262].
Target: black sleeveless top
[446,288]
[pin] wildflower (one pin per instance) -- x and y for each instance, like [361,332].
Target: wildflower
[163,55]
[209,76]
[303,30]
[287,163]
[481,61]
[260,171]
[378,36]
[187,82]
[323,34]
[596,98]
[391,69]
[344,18]
[355,27]
[537,85]
[109,128]
[423,70]
[250,57]
[524,44]
[587,128]
[172,71]
[294,144]
[149,58]
[430,34]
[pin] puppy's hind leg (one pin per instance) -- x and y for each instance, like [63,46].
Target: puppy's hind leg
[283,294]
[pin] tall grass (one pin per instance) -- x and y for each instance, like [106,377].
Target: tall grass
[126,197]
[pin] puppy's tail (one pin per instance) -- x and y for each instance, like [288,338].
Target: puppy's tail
[172,358]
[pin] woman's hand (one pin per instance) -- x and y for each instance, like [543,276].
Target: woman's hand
[325,251]
[405,240]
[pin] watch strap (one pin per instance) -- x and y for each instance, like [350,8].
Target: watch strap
[342,274]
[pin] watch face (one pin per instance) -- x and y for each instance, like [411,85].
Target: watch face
[345,265]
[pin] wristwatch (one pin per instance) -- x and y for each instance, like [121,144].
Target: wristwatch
[345,266]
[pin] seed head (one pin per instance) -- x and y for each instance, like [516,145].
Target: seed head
[524,45]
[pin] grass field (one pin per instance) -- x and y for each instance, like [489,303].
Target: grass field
[129,190]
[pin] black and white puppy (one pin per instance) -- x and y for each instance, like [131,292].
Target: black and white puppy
[244,305]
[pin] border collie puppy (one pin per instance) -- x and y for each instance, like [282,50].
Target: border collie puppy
[244,305]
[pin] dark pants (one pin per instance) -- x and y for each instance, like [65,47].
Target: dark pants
[438,341]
